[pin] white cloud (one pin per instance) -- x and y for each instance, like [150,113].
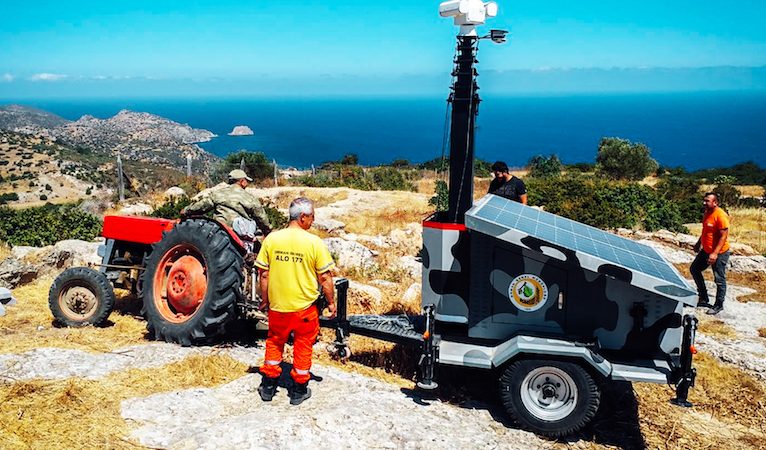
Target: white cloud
[47,77]
[7,78]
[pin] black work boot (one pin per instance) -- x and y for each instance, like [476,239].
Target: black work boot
[300,393]
[268,388]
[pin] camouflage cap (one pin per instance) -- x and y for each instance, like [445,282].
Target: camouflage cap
[238,174]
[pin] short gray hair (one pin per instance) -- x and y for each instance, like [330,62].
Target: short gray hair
[301,205]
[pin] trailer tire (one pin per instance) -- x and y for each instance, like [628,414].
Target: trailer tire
[192,283]
[81,296]
[550,398]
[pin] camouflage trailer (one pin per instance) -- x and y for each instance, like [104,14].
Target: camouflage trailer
[553,306]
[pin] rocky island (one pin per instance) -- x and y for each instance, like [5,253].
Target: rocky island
[241,130]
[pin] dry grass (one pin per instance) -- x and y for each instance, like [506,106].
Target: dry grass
[717,328]
[748,226]
[383,221]
[729,411]
[751,190]
[5,250]
[320,196]
[753,280]
[79,413]
[29,325]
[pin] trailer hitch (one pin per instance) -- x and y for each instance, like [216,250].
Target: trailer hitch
[687,373]
[428,353]
[340,322]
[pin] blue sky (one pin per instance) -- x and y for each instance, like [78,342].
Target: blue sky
[51,48]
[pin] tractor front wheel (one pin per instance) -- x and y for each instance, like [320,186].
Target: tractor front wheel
[81,296]
[192,283]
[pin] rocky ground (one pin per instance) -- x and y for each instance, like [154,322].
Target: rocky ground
[349,407]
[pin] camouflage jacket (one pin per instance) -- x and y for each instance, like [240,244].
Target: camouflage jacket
[229,203]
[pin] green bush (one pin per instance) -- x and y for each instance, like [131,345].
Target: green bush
[685,193]
[8,197]
[276,218]
[257,166]
[441,196]
[544,166]
[605,204]
[357,177]
[46,225]
[481,168]
[728,195]
[748,173]
[390,179]
[621,159]
[171,209]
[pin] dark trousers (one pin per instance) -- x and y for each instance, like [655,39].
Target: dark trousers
[719,275]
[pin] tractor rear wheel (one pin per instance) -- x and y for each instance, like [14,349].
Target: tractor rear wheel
[192,283]
[550,398]
[81,296]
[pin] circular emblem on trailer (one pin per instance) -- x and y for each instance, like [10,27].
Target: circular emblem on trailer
[528,292]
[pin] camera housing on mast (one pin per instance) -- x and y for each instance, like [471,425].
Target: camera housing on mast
[468,13]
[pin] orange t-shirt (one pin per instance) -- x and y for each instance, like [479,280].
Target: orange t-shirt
[711,224]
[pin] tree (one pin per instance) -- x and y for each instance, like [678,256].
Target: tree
[544,166]
[350,159]
[257,166]
[728,195]
[621,159]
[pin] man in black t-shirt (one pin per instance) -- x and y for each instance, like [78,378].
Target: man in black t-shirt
[506,185]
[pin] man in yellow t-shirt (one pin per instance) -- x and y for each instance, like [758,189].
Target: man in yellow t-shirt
[293,265]
[713,250]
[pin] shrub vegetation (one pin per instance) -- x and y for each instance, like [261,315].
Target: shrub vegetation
[621,159]
[46,225]
[604,203]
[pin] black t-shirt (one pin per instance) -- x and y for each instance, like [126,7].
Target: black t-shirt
[512,189]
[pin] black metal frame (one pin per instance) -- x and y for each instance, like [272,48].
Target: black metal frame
[344,328]
[686,373]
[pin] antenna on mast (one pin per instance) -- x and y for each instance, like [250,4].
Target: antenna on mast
[467,14]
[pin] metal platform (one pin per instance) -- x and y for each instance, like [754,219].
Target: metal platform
[401,329]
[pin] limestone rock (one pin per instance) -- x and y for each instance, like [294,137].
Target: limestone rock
[744,264]
[328,225]
[174,192]
[97,207]
[363,298]
[137,209]
[411,265]
[241,130]
[413,293]
[350,254]
[14,272]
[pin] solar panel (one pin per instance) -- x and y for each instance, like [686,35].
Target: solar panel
[509,220]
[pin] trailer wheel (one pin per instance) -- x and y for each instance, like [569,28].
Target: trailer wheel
[81,296]
[551,398]
[192,282]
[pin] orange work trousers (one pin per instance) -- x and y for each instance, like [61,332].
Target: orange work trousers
[305,328]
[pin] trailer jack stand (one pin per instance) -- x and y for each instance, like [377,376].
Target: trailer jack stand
[688,373]
[428,355]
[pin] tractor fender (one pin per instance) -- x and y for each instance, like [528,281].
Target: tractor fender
[240,246]
[472,355]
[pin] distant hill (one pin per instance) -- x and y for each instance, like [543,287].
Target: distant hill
[137,136]
[44,157]
[26,119]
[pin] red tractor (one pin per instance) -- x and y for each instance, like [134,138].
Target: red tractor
[190,274]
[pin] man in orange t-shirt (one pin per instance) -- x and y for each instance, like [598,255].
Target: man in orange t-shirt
[713,250]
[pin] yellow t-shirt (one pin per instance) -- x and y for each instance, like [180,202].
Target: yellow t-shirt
[293,258]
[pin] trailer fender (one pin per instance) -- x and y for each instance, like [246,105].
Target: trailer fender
[471,355]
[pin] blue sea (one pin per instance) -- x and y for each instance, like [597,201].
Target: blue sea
[692,130]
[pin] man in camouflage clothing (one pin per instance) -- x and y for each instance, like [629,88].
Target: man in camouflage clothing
[231,204]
